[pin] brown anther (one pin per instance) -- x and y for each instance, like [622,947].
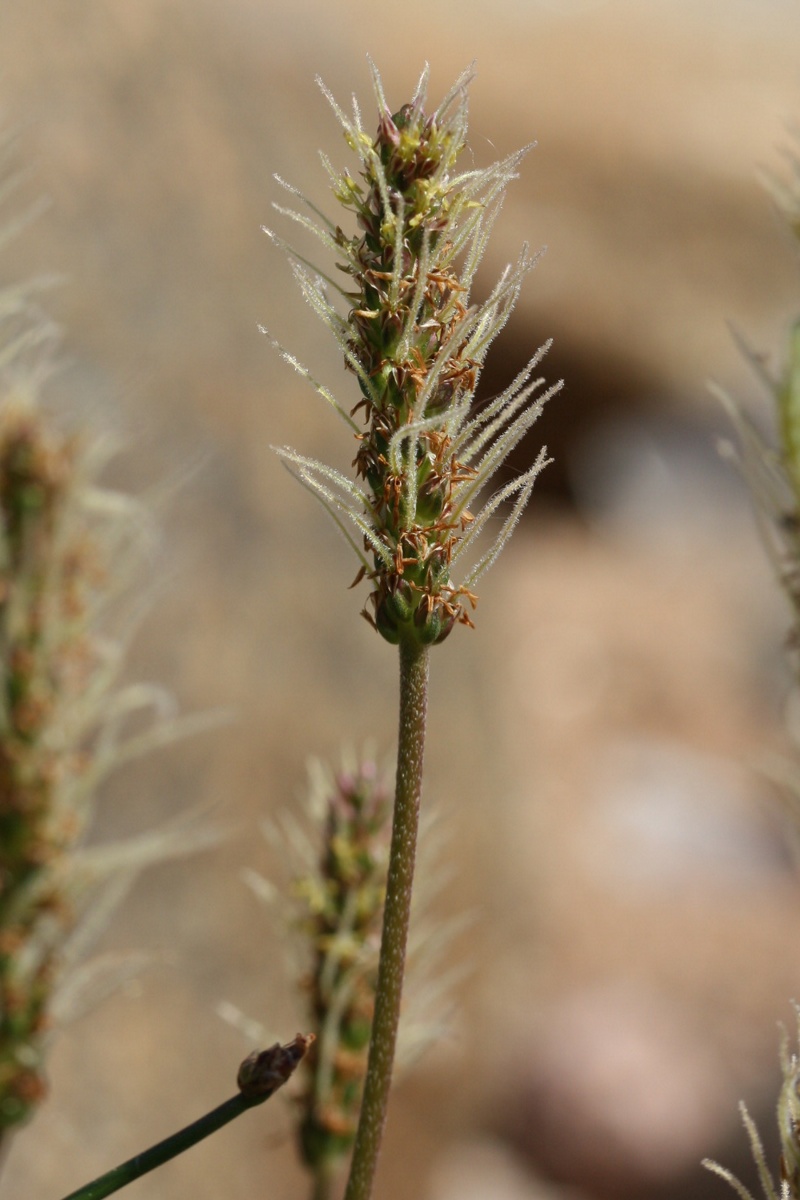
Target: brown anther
[363,403]
[392,492]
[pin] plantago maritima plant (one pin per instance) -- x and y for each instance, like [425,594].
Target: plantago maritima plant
[415,344]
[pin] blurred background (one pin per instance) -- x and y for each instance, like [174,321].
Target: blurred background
[595,743]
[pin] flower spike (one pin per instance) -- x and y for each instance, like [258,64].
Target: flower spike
[416,346]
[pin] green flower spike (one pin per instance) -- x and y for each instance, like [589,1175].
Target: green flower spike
[335,851]
[68,550]
[343,898]
[71,551]
[416,346]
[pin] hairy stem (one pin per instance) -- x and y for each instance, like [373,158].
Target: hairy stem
[397,911]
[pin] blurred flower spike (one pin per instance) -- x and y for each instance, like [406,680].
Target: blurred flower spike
[335,852]
[416,347]
[71,550]
[343,899]
[788,1131]
[68,549]
[773,477]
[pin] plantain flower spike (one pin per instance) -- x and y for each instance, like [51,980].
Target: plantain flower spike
[416,346]
[70,550]
[335,852]
[343,898]
[72,554]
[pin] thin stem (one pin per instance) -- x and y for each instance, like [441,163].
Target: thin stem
[260,1076]
[148,1160]
[397,911]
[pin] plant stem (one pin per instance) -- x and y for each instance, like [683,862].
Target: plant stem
[148,1160]
[260,1076]
[397,911]
[324,1177]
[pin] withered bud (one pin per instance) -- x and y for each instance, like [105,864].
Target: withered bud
[264,1071]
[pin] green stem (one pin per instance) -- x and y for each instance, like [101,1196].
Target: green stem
[148,1160]
[260,1076]
[397,912]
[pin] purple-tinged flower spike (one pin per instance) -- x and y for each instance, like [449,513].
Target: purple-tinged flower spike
[416,346]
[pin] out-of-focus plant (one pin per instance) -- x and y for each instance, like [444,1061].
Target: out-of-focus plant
[773,476]
[70,550]
[335,851]
[340,898]
[788,1117]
